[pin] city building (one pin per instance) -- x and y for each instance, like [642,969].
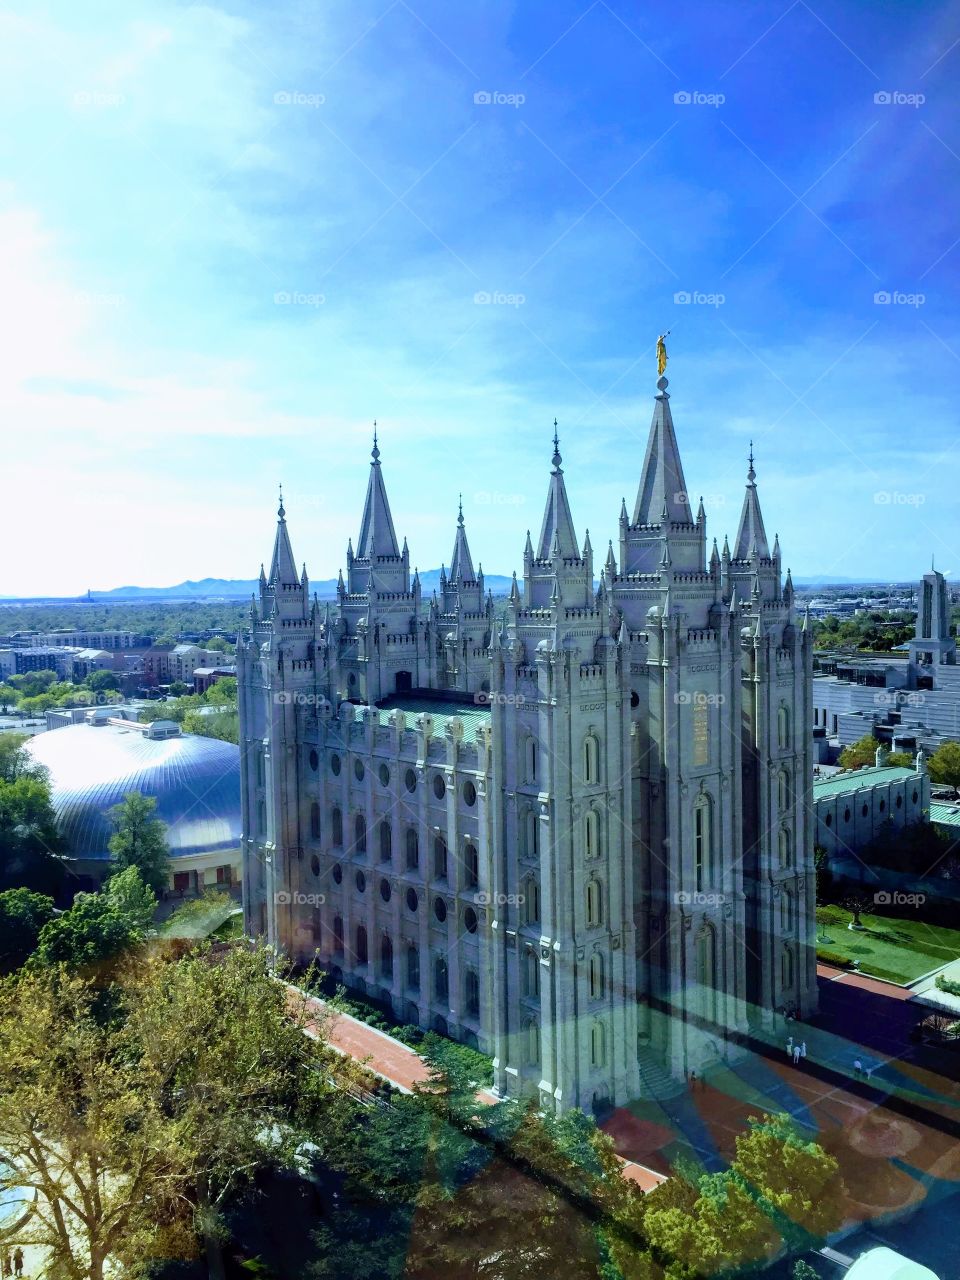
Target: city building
[90,639]
[907,703]
[204,677]
[195,781]
[578,834]
[854,806]
[167,663]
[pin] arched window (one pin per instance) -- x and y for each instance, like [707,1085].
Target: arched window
[315,821]
[597,979]
[703,841]
[531,973]
[786,910]
[533,1043]
[591,833]
[386,842]
[783,790]
[412,841]
[338,935]
[783,727]
[786,967]
[471,866]
[531,834]
[440,858]
[413,968]
[598,1045]
[531,901]
[361,944]
[360,834]
[530,759]
[336,827]
[784,847]
[591,759]
[594,902]
[471,993]
[706,972]
[386,957]
[441,980]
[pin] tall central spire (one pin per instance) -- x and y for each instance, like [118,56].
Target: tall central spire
[461,563]
[377,534]
[283,567]
[751,535]
[557,528]
[663,490]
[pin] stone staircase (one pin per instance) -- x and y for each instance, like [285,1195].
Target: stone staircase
[656,1080]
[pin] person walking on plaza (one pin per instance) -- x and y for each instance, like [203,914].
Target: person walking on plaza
[796,1055]
[858,1068]
[7,1265]
[803,1051]
[18,1261]
[789,1046]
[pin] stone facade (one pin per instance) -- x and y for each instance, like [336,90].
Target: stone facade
[574,830]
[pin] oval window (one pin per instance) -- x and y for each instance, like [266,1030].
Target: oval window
[384,773]
[440,909]
[469,794]
[358,770]
[314,760]
[410,781]
[439,787]
[315,865]
[385,890]
[335,765]
[337,873]
[361,881]
[412,899]
[470,920]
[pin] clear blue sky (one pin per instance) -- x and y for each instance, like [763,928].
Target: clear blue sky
[171,170]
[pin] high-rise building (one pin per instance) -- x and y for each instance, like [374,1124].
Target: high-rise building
[573,829]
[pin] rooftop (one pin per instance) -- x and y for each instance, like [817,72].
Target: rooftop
[473,714]
[947,815]
[856,779]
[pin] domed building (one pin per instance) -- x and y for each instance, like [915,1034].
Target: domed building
[194,780]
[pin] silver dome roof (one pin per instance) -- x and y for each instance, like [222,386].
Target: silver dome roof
[195,781]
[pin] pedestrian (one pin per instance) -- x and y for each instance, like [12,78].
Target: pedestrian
[796,1055]
[858,1068]
[7,1265]
[693,1081]
[18,1262]
[803,1050]
[789,1046]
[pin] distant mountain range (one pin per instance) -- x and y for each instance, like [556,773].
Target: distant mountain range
[243,588]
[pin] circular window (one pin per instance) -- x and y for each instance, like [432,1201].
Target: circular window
[335,765]
[337,873]
[361,881]
[314,760]
[358,770]
[470,920]
[440,909]
[864,811]
[915,797]
[385,890]
[846,815]
[384,774]
[469,794]
[315,865]
[634,698]
[412,899]
[439,787]
[899,802]
[410,780]
[828,820]
[352,677]
[883,805]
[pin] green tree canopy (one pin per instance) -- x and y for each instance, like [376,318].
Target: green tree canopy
[139,840]
[30,843]
[22,915]
[95,930]
[859,753]
[944,765]
[101,681]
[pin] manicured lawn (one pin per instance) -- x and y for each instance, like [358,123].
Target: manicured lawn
[896,949]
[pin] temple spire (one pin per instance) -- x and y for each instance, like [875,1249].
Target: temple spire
[461,562]
[557,528]
[662,495]
[377,534]
[283,567]
[751,535]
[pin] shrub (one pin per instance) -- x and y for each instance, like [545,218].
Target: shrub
[948,985]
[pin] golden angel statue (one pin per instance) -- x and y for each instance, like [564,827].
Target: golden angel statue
[661,354]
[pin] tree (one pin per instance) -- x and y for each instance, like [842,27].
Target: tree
[127,892]
[139,840]
[94,931]
[8,697]
[944,765]
[22,915]
[222,693]
[900,760]
[36,705]
[823,875]
[30,843]
[225,725]
[796,1178]
[859,753]
[179,688]
[856,902]
[101,681]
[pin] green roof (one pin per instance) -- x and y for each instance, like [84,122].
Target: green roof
[856,779]
[473,715]
[948,815]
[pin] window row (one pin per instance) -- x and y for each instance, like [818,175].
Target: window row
[468,790]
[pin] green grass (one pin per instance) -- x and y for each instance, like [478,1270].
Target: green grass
[887,947]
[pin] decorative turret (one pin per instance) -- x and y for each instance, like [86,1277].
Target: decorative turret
[379,564]
[751,536]
[557,521]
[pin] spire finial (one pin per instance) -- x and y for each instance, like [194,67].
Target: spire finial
[556,448]
[751,474]
[375,452]
[460,515]
[280,511]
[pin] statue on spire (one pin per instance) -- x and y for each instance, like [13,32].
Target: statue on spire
[662,354]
